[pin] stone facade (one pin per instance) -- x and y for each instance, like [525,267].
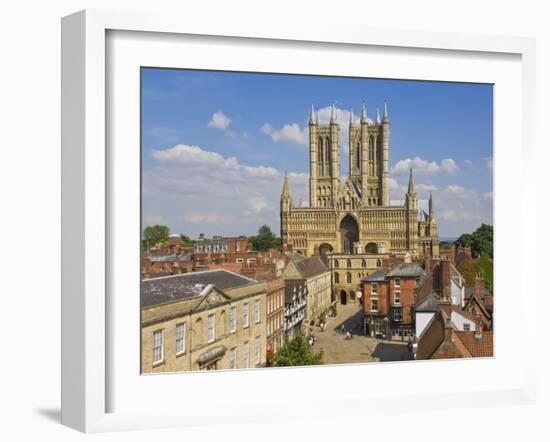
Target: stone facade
[355,217]
[205,327]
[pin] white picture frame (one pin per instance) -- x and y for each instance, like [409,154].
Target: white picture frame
[87,210]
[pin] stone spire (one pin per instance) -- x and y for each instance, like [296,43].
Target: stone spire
[364,113]
[286,188]
[386,119]
[411,190]
[351,117]
[378,116]
[312,116]
[333,115]
[286,200]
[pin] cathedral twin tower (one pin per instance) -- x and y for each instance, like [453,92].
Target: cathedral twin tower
[368,159]
[355,217]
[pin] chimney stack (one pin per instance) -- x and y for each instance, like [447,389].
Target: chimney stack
[448,327]
[445,278]
[478,326]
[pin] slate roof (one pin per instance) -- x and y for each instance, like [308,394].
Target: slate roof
[174,288]
[308,267]
[427,304]
[407,270]
[378,276]
[169,257]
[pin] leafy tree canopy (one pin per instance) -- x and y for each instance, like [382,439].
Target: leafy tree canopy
[186,241]
[153,235]
[486,270]
[480,241]
[297,352]
[265,239]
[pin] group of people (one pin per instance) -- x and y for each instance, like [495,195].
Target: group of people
[345,332]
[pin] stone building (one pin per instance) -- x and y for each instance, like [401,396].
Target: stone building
[355,217]
[202,321]
[275,309]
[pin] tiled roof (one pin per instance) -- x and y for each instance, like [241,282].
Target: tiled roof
[407,270]
[173,288]
[480,347]
[378,276]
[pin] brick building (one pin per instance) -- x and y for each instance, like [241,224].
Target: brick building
[389,299]
[443,340]
[221,244]
[164,264]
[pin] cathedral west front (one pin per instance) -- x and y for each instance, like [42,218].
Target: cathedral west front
[352,223]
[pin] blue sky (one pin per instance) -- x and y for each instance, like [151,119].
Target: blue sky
[215,145]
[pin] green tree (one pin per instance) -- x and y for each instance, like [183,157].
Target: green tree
[297,352]
[152,235]
[480,241]
[186,241]
[265,239]
[486,270]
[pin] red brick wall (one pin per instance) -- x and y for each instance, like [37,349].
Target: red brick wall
[407,297]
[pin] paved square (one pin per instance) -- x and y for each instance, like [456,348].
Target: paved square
[338,350]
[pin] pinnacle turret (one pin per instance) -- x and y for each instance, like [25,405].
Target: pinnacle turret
[351,117]
[431,209]
[312,118]
[411,190]
[378,116]
[386,119]
[364,118]
[333,115]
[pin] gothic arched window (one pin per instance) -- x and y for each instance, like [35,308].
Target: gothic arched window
[336,278]
[358,155]
[349,263]
[363,263]
[336,263]
[348,278]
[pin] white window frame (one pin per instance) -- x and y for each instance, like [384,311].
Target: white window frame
[211,327]
[233,358]
[257,350]
[397,298]
[397,282]
[181,335]
[374,288]
[246,354]
[233,319]
[246,315]
[372,303]
[257,311]
[158,344]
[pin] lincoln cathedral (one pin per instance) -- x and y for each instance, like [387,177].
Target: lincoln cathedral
[353,222]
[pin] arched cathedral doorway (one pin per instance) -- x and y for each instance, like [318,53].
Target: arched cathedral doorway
[349,232]
[372,248]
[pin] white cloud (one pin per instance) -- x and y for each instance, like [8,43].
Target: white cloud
[421,166]
[488,196]
[288,133]
[425,187]
[458,190]
[448,165]
[468,163]
[195,190]
[219,121]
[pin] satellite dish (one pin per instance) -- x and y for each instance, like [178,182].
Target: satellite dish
[358,294]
